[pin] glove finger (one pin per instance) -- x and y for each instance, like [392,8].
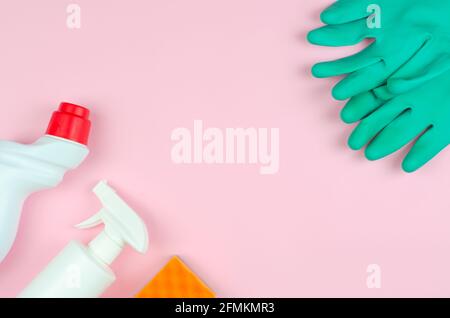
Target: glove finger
[361,81]
[425,149]
[347,64]
[374,75]
[340,35]
[369,127]
[396,135]
[345,11]
[424,72]
[383,93]
[360,106]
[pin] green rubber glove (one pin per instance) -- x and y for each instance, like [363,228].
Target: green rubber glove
[390,122]
[411,46]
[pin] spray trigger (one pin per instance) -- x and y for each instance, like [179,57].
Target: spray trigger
[122,226]
[93,221]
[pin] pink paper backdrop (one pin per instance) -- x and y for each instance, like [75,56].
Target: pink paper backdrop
[145,67]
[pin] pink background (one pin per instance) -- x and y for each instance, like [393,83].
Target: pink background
[147,67]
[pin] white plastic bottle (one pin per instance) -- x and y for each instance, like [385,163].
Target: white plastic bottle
[80,271]
[25,169]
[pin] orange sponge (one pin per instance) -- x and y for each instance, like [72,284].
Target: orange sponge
[175,280]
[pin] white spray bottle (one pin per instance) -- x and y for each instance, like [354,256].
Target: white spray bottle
[25,169]
[80,271]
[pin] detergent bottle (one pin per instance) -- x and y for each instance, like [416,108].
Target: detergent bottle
[80,271]
[25,169]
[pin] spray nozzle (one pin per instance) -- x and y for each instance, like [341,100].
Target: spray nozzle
[122,225]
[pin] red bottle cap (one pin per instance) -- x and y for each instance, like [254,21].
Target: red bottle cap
[70,122]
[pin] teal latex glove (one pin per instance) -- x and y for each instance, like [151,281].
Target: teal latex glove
[390,122]
[411,47]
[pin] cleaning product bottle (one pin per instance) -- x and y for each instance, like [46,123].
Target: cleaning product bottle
[25,169]
[80,271]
